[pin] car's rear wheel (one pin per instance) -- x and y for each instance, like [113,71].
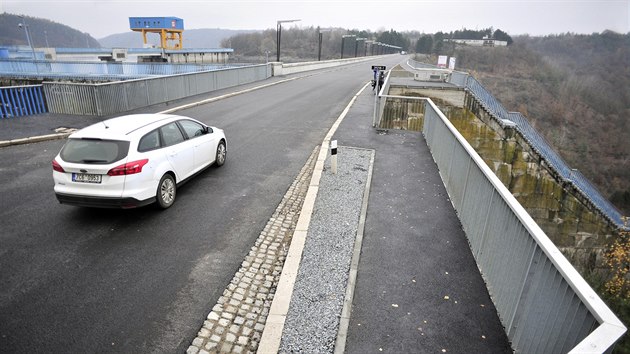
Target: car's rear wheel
[166,192]
[221,154]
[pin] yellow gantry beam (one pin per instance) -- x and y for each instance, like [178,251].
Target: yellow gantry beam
[166,36]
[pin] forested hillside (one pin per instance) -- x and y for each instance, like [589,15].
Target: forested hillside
[302,44]
[44,33]
[575,89]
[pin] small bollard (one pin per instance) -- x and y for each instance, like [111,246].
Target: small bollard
[333,156]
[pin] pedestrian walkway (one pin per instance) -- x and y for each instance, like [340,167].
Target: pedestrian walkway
[418,288]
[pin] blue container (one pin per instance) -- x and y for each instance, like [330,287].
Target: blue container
[168,23]
[4,53]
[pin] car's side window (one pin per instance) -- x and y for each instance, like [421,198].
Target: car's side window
[151,141]
[192,129]
[171,134]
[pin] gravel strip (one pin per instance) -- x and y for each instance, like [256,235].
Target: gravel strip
[312,322]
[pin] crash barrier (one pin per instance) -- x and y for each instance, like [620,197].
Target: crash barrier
[280,69]
[543,303]
[537,142]
[17,101]
[96,71]
[103,99]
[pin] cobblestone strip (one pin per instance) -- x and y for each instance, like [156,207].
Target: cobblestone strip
[236,322]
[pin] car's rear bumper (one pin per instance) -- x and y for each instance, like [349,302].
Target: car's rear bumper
[102,202]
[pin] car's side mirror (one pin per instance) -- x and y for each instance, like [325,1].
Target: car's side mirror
[207,130]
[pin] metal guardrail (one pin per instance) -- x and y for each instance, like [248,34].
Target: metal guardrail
[542,301]
[486,99]
[115,97]
[17,101]
[381,100]
[97,71]
[402,112]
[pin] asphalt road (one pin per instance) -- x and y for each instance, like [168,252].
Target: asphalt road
[94,280]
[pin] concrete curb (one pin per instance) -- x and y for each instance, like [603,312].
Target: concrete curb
[344,321]
[33,139]
[272,334]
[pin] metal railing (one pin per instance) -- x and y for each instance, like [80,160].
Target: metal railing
[96,71]
[115,97]
[486,99]
[402,112]
[542,301]
[17,101]
[380,100]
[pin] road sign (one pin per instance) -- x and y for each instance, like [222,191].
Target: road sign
[379,67]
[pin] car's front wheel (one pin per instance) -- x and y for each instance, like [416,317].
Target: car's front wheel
[221,154]
[166,191]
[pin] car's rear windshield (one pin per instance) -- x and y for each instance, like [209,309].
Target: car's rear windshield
[94,151]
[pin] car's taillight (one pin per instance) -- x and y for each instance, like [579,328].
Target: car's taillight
[129,168]
[57,167]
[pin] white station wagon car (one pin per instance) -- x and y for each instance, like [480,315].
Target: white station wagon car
[134,160]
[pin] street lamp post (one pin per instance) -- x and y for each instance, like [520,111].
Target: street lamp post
[279,36]
[28,35]
[343,39]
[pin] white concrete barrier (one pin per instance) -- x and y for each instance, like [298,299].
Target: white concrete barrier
[279,69]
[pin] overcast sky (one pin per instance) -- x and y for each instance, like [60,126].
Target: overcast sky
[101,18]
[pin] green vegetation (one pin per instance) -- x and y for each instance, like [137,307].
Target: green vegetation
[41,30]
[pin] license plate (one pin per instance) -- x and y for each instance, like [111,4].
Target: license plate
[86,178]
